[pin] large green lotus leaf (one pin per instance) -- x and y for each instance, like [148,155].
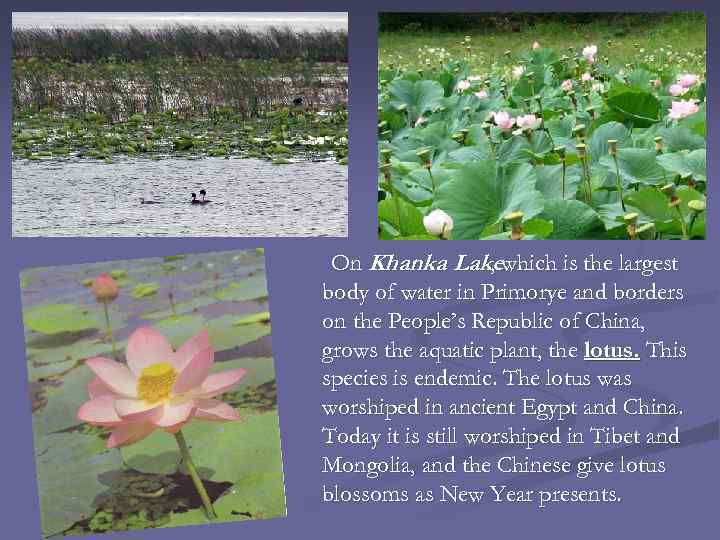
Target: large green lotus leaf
[419,96]
[257,496]
[550,181]
[481,193]
[572,220]
[69,466]
[251,288]
[636,166]
[696,122]
[222,451]
[181,308]
[686,163]
[470,153]
[676,138]
[60,318]
[560,127]
[226,334]
[597,143]
[177,330]
[63,401]
[512,150]
[402,216]
[639,107]
[652,205]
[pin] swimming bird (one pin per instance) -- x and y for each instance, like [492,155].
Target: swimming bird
[143,201]
[195,199]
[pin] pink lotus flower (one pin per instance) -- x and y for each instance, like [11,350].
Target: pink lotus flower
[528,121]
[590,52]
[567,85]
[688,79]
[535,45]
[503,120]
[482,94]
[681,109]
[677,90]
[158,388]
[105,288]
[586,77]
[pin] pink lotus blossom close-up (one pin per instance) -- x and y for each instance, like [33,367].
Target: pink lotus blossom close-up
[158,388]
[503,120]
[482,94]
[528,121]
[567,85]
[682,109]
[677,90]
[687,80]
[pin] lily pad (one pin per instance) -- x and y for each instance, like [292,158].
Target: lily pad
[59,318]
[144,290]
[263,316]
[68,467]
[251,288]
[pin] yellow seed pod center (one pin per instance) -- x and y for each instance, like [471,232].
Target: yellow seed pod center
[156,382]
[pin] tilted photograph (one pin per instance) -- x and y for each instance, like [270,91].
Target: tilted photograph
[179,124]
[153,393]
[534,126]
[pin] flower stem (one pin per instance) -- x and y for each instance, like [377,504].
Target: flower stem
[619,182]
[563,179]
[110,330]
[683,224]
[209,510]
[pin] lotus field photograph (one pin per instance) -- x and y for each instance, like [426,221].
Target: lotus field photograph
[153,393]
[179,124]
[542,126]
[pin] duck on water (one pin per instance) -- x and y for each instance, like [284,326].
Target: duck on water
[201,200]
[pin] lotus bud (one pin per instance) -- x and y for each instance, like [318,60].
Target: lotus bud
[438,223]
[105,288]
[671,193]
[581,150]
[514,219]
[631,221]
[658,144]
[612,147]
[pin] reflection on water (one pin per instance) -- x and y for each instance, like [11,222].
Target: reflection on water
[250,197]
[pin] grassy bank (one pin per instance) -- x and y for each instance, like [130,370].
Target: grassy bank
[681,37]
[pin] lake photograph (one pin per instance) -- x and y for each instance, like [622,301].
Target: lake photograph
[179,124]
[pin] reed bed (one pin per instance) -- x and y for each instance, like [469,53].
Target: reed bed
[193,42]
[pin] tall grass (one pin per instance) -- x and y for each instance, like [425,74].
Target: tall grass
[133,44]
[188,70]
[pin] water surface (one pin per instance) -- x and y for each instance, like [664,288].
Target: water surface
[252,20]
[250,197]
